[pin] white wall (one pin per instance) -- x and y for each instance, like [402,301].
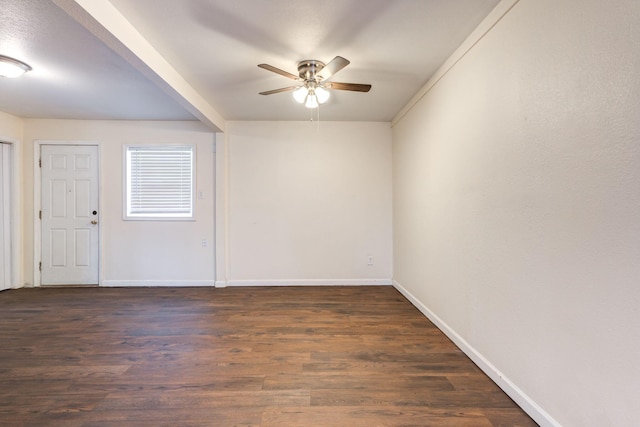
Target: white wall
[136,252]
[10,127]
[307,204]
[517,207]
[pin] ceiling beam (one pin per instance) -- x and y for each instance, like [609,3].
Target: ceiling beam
[106,22]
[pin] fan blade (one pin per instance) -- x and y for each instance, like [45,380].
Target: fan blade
[336,64]
[282,89]
[357,87]
[278,71]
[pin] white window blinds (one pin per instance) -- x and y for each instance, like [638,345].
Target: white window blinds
[160,182]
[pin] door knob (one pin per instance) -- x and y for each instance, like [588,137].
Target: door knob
[94,222]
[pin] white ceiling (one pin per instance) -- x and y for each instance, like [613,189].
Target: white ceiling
[75,76]
[215,46]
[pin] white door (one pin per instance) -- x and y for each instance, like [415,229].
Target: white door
[5,217]
[69,215]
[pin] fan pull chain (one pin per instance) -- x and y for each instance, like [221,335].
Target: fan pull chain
[317,110]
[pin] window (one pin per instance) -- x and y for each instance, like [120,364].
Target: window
[159,182]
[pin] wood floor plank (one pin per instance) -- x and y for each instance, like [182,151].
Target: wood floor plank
[185,398]
[263,356]
[367,416]
[514,417]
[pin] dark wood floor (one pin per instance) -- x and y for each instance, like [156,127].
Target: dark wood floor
[330,356]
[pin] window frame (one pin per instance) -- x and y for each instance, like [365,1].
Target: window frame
[126,215]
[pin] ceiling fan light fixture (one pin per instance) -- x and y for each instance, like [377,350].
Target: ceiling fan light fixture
[322,94]
[12,68]
[300,94]
[312,88]
[312,100]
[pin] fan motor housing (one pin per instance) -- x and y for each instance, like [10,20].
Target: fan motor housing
[309,68]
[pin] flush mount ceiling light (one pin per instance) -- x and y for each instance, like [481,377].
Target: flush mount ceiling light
[11,68]
[313,76]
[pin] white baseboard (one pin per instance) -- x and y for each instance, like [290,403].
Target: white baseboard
[156,283]
[309,282]
[538,414]
[224,284]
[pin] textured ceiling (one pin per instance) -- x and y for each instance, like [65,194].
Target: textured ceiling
[75,76]
[215,45]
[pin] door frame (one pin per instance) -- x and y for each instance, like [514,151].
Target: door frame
[37,204]
[15,276]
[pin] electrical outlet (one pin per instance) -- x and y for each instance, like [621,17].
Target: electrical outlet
[370,260]
[204,243]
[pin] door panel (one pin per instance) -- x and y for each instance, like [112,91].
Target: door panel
[58,247]
[58,201]
[83,248]
[83,199]
[70,246]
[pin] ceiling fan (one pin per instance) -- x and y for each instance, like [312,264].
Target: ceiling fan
[313,76]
